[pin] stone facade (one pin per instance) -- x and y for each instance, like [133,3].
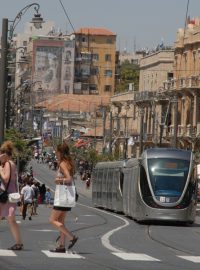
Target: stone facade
[186,82]
[156,68]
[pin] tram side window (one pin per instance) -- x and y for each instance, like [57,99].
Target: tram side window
[144,183]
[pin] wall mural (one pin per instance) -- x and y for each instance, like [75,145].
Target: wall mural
[48,67]
[68,67]
[54,68]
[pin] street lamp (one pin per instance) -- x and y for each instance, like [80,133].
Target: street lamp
[37,21]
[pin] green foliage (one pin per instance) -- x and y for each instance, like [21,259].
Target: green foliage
[22,152]
[90,154]
[129,73]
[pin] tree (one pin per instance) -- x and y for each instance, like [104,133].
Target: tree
[23,153]
[129,73]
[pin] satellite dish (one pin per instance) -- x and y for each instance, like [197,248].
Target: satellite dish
[72,37]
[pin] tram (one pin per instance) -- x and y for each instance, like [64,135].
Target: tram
[161,185]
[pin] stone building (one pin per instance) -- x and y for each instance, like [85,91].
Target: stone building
[186,84]
[155,68]
[143,115]
[95,61]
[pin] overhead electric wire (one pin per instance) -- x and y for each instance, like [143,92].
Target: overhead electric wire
[67,16]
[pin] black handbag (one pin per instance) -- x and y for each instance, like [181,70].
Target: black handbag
[3,196]
[4,193]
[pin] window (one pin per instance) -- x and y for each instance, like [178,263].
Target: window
[94,71]
[168,176]
[84,86]
[108,88]
[93,87]
[109,40]
[108,73]
[95,57]
[170,76]
[108,57]
[25,43]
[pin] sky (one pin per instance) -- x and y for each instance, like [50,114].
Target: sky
[138,24]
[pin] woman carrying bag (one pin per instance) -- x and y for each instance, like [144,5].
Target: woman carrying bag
[64,182]
[8,176]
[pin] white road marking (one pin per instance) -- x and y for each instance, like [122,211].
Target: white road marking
[7,253]
[43,230]
[18,221]
[195,259]
[105,238]
[88,215]
[66,255]
[135,257]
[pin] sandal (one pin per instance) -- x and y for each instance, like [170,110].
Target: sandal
[58,250]
[73,242]
[16,247]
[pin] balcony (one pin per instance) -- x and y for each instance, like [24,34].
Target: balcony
[84,57]
[85,89]
[170,85]
[143,96]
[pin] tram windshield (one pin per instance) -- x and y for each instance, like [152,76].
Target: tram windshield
[168,176]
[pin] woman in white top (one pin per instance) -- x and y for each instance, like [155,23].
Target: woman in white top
[58,214]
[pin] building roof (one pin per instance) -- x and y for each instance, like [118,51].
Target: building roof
[74,103]
[95,31]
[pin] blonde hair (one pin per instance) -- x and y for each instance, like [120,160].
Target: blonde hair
[7,148]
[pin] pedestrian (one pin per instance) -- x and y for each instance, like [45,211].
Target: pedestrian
[48,197]
[8,174]
[58,214]
[35,199]
[42,190]
[27,194]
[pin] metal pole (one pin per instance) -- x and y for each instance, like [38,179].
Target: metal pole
[110,135]
[141,130]
[104,129]
[125,136]
[175,121]
[41,122]
[61,125]
[8,107]
[3,75]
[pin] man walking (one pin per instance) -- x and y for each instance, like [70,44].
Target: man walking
[27,199]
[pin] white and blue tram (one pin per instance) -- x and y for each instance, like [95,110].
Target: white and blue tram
[161,185]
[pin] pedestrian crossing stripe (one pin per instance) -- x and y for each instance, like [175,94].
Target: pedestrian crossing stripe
[7,253]
[134,256]
[66,255]
[195,259]
[122,255]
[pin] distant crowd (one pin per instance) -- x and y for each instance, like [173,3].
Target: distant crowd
[32,194]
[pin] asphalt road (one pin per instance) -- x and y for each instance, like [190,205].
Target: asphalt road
[106,240]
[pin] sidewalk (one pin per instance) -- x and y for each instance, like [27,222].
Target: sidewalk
[81,187]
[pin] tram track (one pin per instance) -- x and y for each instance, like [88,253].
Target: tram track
[185,252]
[104,222]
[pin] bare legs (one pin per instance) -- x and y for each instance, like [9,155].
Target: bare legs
[57,220]
[14,229]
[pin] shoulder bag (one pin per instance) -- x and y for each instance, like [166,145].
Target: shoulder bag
[15,197]
[65,195]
